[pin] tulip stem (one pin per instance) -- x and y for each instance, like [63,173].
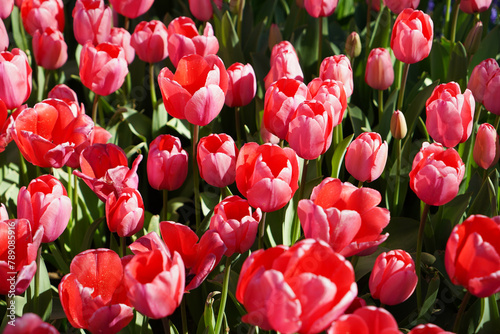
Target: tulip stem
[368,26]
[456,6]
[447,15]
[238,130]
[223,299]
[262,229]
[420,237]
[296,225]
[461,311]
[23,170]
[94,108]
[380,105]
[320,41]
[36,300]
[497,121]
[126,24]
[403,86]
[152,89]
[398,175]
[123,246]
[196,178]
[75,198]
[165,205]
[144,327]
[184,316]
[241,6]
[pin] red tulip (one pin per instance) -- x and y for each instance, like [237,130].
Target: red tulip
[15,78]
[45,203]
[338,68]
[91,21]
[6,8]
[393,278]
[474,6]
[267,175]
[183,39]
[472,256]
[242,85]
[167,163]
[125,212]
[486,147]
[480,76]
[216,157]
[428,329]
[236,224]
[30,323]
[5,121]
[379,72]
[202,9]
[397,6]
[366,320]
[332,95]
[121,37]
[366,157]
[150,41]
[4,37]
[41,14]
[196,91]
[155,282]
[284,64]
[436,174]
[344,216]
[26,243]
[412,34]
[93,294]
[491,89]
[50,133]
[131,8]
[281,100]
[50,49]
[292,290]
[320,8]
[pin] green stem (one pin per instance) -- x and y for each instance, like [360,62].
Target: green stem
[320,41]
[238,130]
[123,246]
[152,88]
[380,105]
[461,310]
[454,22]
[75,199]
[46,85]
[262,229]
[403,86]
[447,16]
[223,299]
[165,205]
[368,26]
[360,184]
[23,169]
[296,224]
[420,237]
[36,300]
[196,177]
[398,175]
[126,24]
[493,197]
[240,18]
[184,316]
[166,324]
[144,327]
[497,121]
[94,108]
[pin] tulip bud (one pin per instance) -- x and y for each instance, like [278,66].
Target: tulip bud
[473,39]
[236,6]
[487,147]
[275,36]
[398,125]
[125,212]
[366,157]
[353,45]
[379,72]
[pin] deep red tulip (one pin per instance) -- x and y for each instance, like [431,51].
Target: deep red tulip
[366,157]
[125,212]
[131,8]
[216,158]
[242,85]
[50,49]
[150,41]
[6,8]
[428,329]
[15,78]
[366,320]
[202,9]
[332,95]
[480,76]
[41,14]
[292,290]
[486,147]
[196,92]
[30,323]
[436,174]
[397,6]
[236,224]
[121,37]
[490,98]
[4,37]
[183,39]
[358,302]
[167,163]
[91,21]
[338,68]
[267,175]
[45,202]
[93,294]
[320,8]
[379,72]
[472,256]
[284,64]
[344,216]
[412,34]
[474,6]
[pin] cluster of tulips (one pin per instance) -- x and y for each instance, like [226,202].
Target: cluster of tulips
[141,267]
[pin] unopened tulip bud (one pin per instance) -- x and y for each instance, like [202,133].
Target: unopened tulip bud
[275,36]
[353,45]
[474,38]
[398,125]
[487,147]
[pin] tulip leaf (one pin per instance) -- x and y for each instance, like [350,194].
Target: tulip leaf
[440,58]
[430,298]
[489,48]
[44,298]
[208,314]
[159,121]
[382,31]
[344,9]
[89,235]
[338,155]
[457,70]
[359,121]
[181,126]
[490,318]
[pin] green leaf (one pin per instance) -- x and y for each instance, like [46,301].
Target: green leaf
[489,48]
[359,121]
[490,319]
[458,65]
[159,122]
[440,59]
[430,298]
[16,26]
[338,155]
[382,31]
[208,315]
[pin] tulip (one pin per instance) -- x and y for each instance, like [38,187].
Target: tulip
[473,39]
[183,39]
[275,35]
[267,175]
[23,266]
[379,72]
[63,92]
[155,282]
[125,212]
[236,224]
[291,290]
[284,63]
[103,68]
[50,49]
[345,217]
[320,8]
[338,68]
[450,114]
[366,320]
[332,95]
[196,92]
[50,133]
[398,125]
[366,157]
[472,256]
[15,78]
[4,37]
[428,329]
[412,34]
[480,76]
[91,21]
[3,213]
[5,136]
[131,8]
[268,137]
[397,6]
[6,8]
[436,174]
[242,85]
[310,130]
[121,37]
[150,41]
[393,278]
[474,6]
[280,102]
[30,323]
[486,147]
[353,45]
[490,98]
[216,158]
[41,14]
[45,202]
[202,9]
[93,295]
[167,163]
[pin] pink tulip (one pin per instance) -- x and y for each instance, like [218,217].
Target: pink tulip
[63,92]
[284,63]
[216,158]
[320,8]
[150,41]
[121,37]
[50,49]
[366,320]
[41,14]
[332,95]
[366,157]
[91,21]
[428,329]
[30,323]
[338,68]
[15,78]
[125,212]
[379,72]
[7,124]
[397,6]
[486,147]
[490,98]
[242,85]
[131,8]
[480,76]
[6,8]
[474,6]
[202,9]
[412,34]
[4,37]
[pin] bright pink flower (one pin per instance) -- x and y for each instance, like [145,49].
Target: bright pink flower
[490,98]
[366,320]
[196,92]
[474,6]
[320,8]
[93,294]
[103,68]
[45,203]
[50,49]
[412,35]
[268,137]
[6,8]
[292,290]
[344,216]
[63,92]
[30,323]
[5,136]
[480,76]
[41,14]
[338,68]
[486,147]
[202,9]
[450,114]
[167,163]
[183,39]
[236,224]
[379,72]
[216,158]
[472,256]
[150,41]
[267,175]
[428,329]
[284,64]
[281,100]
[397,6]
[436,174]
[242,85]
[125,212]
[15,78]
[393,278]
[131,8]
[4,37]
[332,95]
[121,37]
[91,21]
[366,157]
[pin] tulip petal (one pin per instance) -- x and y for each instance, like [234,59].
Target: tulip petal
[205,105]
